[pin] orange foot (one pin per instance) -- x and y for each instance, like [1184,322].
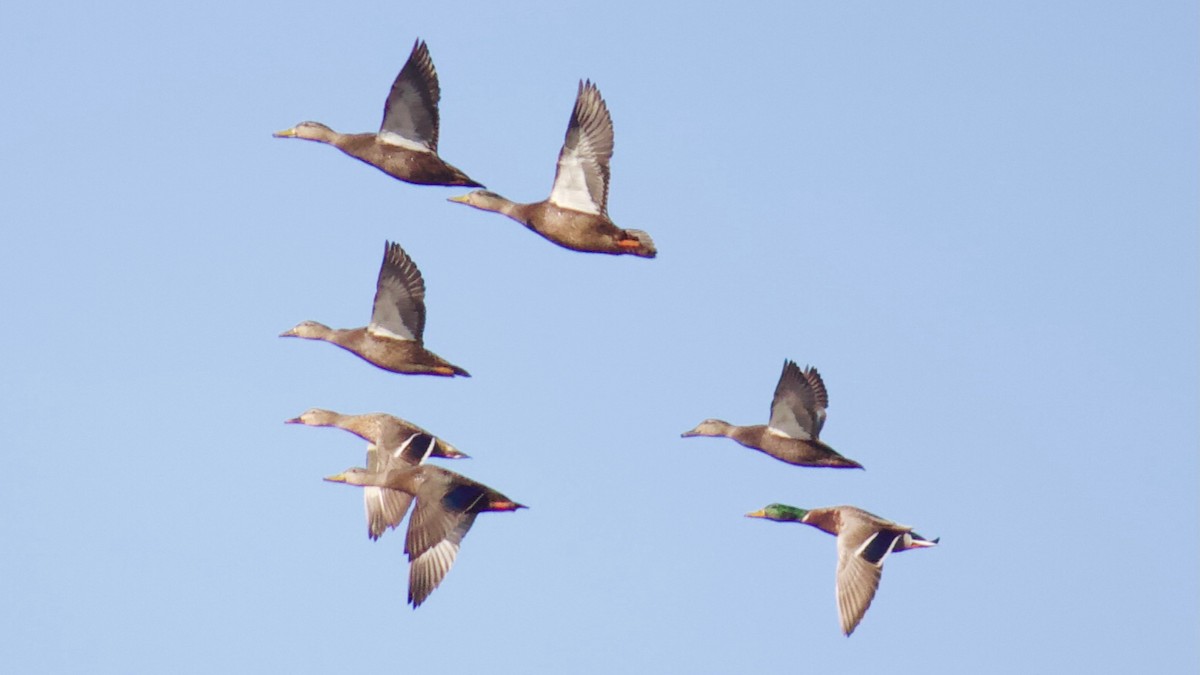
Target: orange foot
[443,370]
[629,243]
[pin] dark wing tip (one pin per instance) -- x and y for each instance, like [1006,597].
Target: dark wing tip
[591,112]
[397,260]
[791,375]
[420,54]
[817,385]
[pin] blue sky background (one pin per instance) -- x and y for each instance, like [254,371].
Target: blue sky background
[979,222]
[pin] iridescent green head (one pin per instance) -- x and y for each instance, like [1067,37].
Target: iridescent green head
[780,512]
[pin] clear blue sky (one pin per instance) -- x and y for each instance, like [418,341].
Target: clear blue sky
[979,222]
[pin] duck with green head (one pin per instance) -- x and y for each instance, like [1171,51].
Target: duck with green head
[384,507]
[864,541]
[797,415]
[406,145]
[575,216]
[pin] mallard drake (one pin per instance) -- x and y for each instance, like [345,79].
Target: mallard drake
[576,214]
[393,340]
[797,415]
[864,541]
[384,508]
[406,145]
[447,504]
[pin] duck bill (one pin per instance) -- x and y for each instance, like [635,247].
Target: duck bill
[294,420]
[286,133]
[461,199]
[761,513]
[337,478]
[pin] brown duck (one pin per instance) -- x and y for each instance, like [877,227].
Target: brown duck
[393,340]
[797,415]
[864,541]
[447,504]
[576,214]
[406,145]
[384,508]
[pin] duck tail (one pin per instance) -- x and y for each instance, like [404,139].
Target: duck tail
[645,245]
[461,179]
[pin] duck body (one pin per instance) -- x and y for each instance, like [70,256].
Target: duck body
[416,166]
[575,215]
[393,340]
[864,541]
[797,417]
[570,229]
[384,508]
[859,524]
[406,357]
[376,428]
[405,147]
[796,451]
[447,504]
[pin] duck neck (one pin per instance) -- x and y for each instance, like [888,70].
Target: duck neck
[506,206]
[751,436]
[365,427]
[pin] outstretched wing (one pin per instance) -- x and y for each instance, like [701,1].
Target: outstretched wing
[581,183]
[399,310]
[430,567]
[861,552]
[798,408]
[385,507]
[410,115]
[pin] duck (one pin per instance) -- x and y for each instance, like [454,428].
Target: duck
[394,339]
[797,415]
[575,216]
[864,541]
[384,508]
[405,147]
[447,504]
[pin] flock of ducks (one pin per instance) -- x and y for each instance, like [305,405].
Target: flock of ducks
[574,216]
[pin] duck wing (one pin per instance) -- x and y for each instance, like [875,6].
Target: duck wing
[385,507]
[410,115]
[443,516]
[863,544]
[399,310]
[798,408]
[581,182]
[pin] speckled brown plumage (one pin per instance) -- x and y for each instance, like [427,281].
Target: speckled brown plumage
[394,339]
[405,147]
[575,216]
[384,507]
[864,541]
[447,504]
[797,416]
